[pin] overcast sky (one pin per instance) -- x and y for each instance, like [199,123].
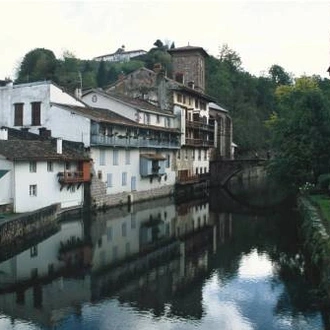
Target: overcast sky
[292,34]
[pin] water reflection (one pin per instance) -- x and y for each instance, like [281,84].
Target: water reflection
[159,265]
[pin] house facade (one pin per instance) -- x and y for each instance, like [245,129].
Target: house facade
[133,145]
[40,172]
[202,130]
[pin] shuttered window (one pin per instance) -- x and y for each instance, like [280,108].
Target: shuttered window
[35,113]
[18,114]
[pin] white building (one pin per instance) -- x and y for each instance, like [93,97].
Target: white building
[39,172]
[36,107]
[121,55]
[133,146]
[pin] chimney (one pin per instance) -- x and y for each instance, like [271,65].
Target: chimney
[3,133]
[191,84]
[44,132]
[78,93]
[59,145]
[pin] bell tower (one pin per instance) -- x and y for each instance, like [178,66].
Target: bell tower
[189,66]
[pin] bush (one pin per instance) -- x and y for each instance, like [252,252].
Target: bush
[323,181]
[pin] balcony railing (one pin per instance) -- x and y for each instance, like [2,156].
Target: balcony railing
[199,142]
[71,177]
[199,125]
[134,142]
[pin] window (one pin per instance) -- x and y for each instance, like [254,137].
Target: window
[124,229]
[33,190]
[109,234]
[34,251]
[18,114]
[196,103]
[50,166]
[102,157]
[179,154]
[67,166]
[167,122]
[33,167]
[193,154]
[109,180]
[35,113]
[115,157]
[205,154]
[186,154]
[158,119]
[168,161]
[72,189]
[127,157]
[199,154]
[147,118]
[179,98]
[179,77]
[124,179]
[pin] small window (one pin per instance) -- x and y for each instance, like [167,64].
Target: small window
[179,77]
[50,166]
[67,166]
[124,230]
[179,98]
[102,157]
[18,114]
[72,189]
[168,161]
[124,179]
[33,167]
[158,119]
[115,156]
[127,157]
[33,190]
[109,234]
[179,154]
[34,251]
[109,180]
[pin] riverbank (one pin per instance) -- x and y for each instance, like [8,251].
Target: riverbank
[317,242]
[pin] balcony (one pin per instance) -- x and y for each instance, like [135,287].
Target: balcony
[199,142]
[199,125]
[71,177]
[140,142]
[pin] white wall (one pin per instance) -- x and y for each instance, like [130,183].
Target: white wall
[6,191]
[132,169]
[68,125]
[48,188]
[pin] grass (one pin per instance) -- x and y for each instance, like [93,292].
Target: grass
[323,203]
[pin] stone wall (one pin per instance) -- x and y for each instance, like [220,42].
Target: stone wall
[100,199]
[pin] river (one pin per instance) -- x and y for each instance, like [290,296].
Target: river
[213,263]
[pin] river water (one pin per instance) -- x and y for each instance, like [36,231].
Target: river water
[213,263]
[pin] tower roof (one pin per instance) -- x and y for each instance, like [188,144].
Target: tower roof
[185,49]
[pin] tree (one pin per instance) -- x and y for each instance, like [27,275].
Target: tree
[37,64]
[301,133]
[101,76]
[279,76]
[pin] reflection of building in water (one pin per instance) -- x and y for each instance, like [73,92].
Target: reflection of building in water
[31,283]
[173,246]
[155,255]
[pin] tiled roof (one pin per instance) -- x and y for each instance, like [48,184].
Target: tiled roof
[23,145]
[107,116]
[188,48]
[135,103]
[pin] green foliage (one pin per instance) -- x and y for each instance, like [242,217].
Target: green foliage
[300,133]
[323,181]
[38,64]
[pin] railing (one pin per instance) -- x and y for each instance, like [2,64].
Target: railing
[71,177]
[199,125]
[133,142]
[199,142]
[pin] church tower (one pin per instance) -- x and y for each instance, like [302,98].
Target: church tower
[189,66]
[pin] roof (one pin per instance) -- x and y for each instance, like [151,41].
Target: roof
[122,53]
[135,103]
[215,106]
[23,145]
[108,116]
[188,49]
[181,87]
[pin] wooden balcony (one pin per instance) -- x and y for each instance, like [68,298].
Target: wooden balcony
[199,142]
[199,125]
[71,177]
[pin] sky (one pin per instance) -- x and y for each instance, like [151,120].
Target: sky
[291,33]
